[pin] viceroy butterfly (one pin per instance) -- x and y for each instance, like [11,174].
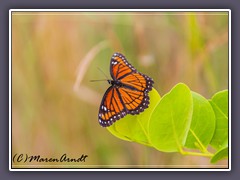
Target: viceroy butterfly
[128,93]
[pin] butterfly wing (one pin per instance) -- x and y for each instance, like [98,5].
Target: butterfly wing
[134,101]
[138,81]
[111,108]
[120,67]
[134,92]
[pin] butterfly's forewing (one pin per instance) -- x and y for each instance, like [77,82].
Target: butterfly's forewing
[120,67]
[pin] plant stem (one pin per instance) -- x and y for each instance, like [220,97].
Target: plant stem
[203,148]
[195,153]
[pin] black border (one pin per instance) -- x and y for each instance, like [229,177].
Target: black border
[5,5]
[121,169]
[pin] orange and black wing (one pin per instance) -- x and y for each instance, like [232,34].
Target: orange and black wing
[111,108]
[120,67]
[134,101]
[123,71]
[134,92]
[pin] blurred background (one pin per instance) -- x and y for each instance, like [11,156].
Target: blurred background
[55,55]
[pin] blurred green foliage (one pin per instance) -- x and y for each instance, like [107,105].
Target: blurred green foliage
[50,119]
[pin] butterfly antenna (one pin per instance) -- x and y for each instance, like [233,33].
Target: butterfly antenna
[100,79]
[103,73]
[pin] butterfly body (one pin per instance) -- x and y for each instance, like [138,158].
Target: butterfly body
[119,84]
[128,93]
[115,83]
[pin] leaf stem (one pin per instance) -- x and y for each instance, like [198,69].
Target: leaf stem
[204,152]
[203,148]
[195,153]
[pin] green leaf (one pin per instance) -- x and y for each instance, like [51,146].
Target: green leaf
[112,130]
[219,155]
[203,123]
[219,104]
[134,128]
[221,99]
[171,119]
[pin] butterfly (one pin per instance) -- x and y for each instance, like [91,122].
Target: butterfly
[128,93]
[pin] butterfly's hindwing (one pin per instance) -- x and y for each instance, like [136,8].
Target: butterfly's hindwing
[111,108]
[134,101]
